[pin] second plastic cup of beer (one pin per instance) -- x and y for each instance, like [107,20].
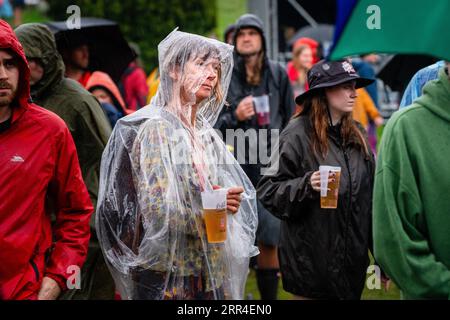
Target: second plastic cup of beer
[329,191]
[262,108]
[215,214]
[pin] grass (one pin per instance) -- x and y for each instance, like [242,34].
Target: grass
[251,288]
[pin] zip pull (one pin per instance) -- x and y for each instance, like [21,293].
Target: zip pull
[345,153]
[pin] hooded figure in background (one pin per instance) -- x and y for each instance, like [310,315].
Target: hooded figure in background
[157,163]
[77,107]
[228,34]
[105,90]
[88,125]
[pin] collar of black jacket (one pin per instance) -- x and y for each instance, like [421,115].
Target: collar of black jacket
[5,125]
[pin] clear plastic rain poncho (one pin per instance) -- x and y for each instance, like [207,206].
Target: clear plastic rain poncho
[154,168]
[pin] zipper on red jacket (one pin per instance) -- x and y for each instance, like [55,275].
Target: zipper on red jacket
[35,268]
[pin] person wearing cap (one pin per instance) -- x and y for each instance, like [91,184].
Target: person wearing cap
[254,75]
[323,252]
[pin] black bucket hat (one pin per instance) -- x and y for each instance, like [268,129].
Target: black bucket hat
[325,74]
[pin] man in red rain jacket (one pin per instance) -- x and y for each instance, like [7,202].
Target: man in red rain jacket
[39,175]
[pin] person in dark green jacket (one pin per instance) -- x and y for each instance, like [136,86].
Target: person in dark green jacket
[86,121]
[411,205]
[82,113]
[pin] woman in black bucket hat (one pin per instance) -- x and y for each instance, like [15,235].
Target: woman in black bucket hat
[323,252]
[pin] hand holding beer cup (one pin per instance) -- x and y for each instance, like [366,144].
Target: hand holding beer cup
[216,202]
[315,180]
[233,198]
[326,181]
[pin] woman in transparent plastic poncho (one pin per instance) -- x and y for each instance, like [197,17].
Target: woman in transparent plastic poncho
[154,168]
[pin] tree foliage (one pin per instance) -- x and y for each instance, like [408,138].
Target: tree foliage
[145,22]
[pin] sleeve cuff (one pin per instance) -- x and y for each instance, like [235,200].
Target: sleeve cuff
[310,193]
[59,279]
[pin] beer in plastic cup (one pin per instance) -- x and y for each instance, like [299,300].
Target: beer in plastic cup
[262,108]
[215,214]
[329,198]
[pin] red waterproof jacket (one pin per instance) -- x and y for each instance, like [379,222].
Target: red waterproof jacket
[135,87]
[39,175]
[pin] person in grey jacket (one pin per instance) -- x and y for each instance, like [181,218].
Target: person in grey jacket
[255,76]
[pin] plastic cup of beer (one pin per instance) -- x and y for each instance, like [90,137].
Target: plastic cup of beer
[262,108]
[329,191]
[215,214]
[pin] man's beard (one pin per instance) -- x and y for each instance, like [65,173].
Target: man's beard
[251,54]
[6,100]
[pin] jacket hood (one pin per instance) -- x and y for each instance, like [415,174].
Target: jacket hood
[102,80]
[39,43]
[250,21]
[9,41]
[185,64]
[230,29]
[436,96]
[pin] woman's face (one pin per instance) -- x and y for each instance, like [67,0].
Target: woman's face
[201,73]
[341,98]
[102,96]
[305,58]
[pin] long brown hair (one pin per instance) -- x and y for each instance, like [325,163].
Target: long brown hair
[296,53]
[316,108]
[256,77]
[218,91]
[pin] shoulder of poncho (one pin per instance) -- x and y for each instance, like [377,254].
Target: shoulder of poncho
[152,123]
